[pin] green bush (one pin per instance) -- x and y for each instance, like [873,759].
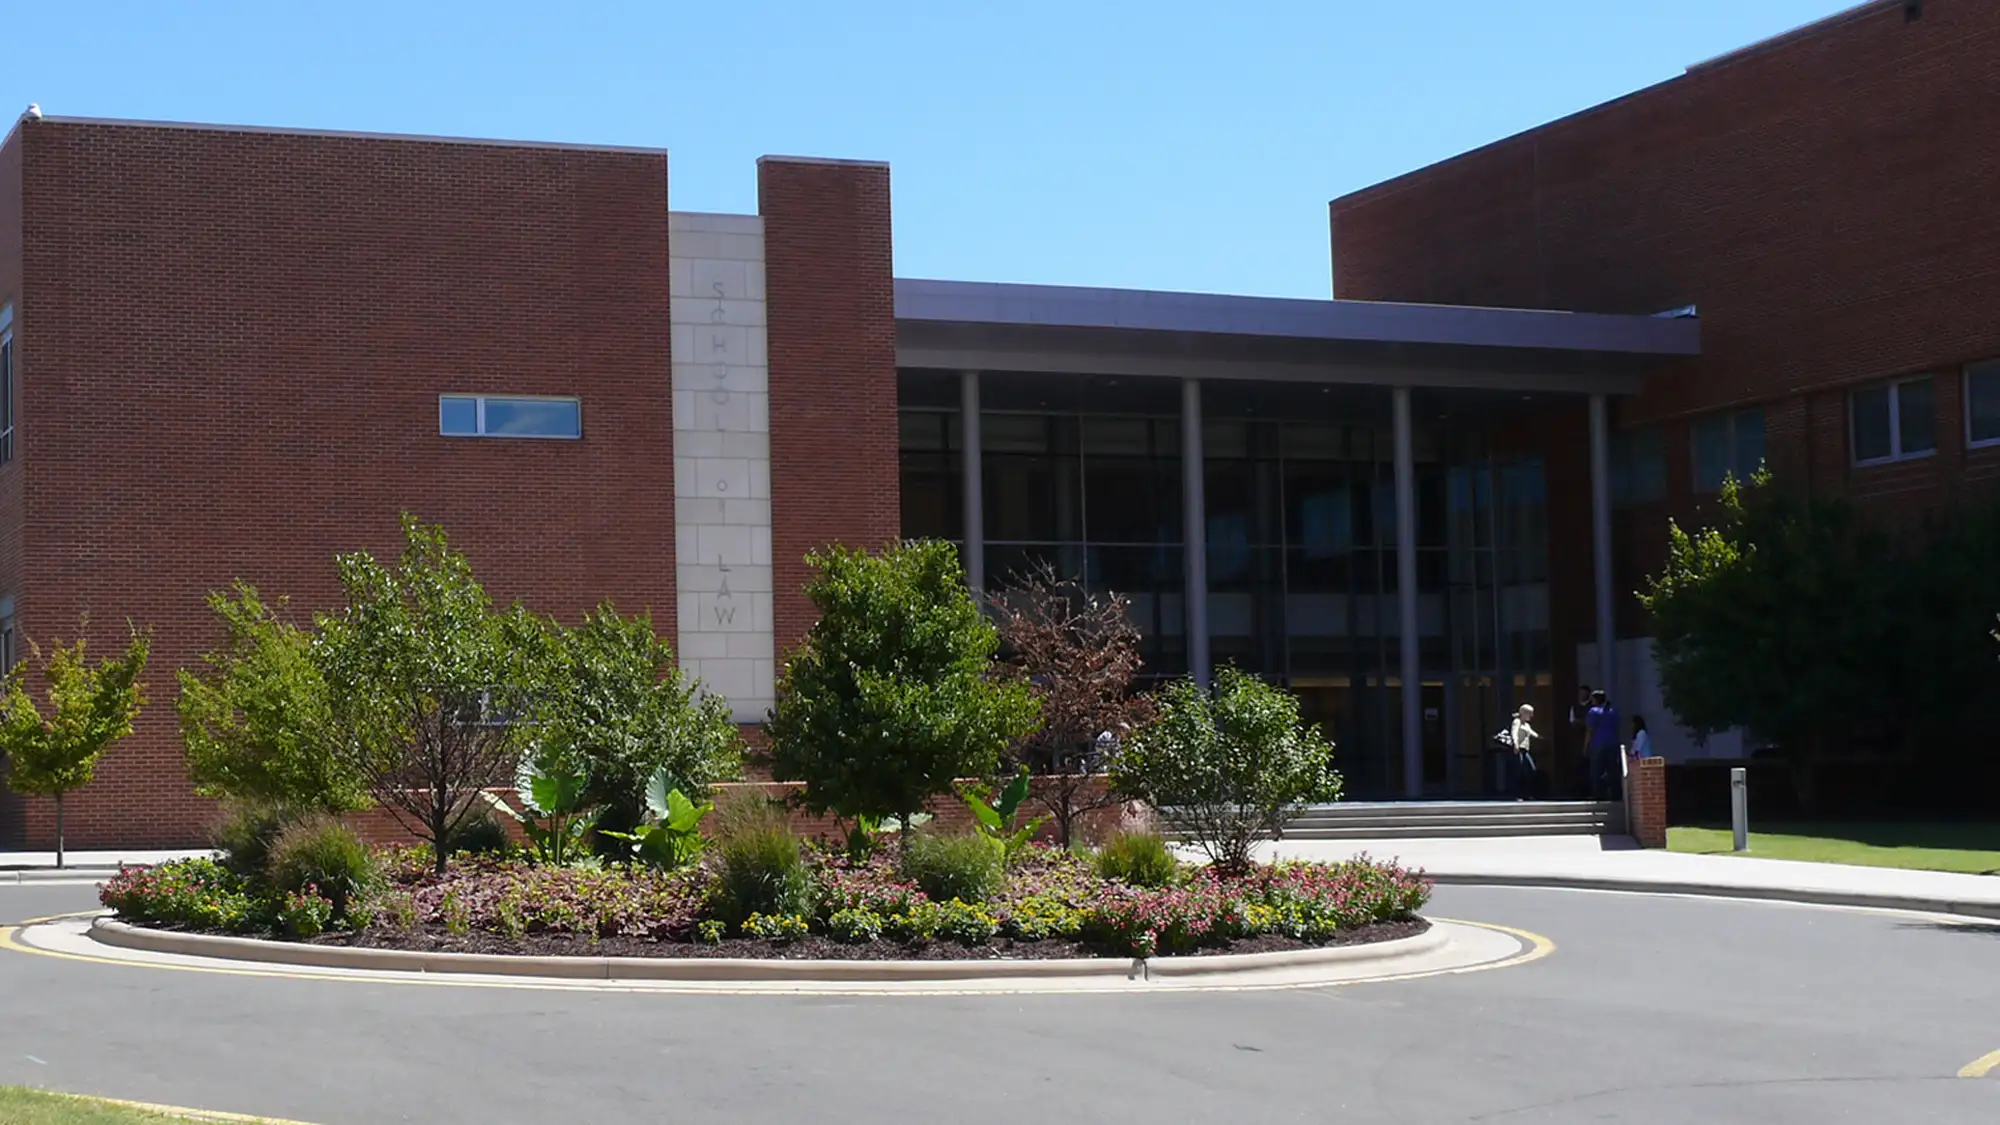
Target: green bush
[1140,859]
[965,923]
[481,834]
[917,924]
[197,893]
[325,854]
[245,837]
[854,925]
[759,865]
[305,913]
[968,868]
[776,927]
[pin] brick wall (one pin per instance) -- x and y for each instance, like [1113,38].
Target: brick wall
[11,807]
[832,340]
[235,341]
[1646,801]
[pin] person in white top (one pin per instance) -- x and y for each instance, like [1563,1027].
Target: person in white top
[1522,774]
[1642,743]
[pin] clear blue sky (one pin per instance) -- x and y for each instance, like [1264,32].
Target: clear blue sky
[1164,145]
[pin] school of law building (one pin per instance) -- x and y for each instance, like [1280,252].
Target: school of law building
[233,352]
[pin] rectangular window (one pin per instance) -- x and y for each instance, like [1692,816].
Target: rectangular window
[1982,403]
[1893,422]
[7,642]
[1639,466]
[1727,445]
[6,396]
[497,416]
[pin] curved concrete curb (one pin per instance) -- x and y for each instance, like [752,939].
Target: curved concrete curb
[1808,895]
[58,875]
[107,931]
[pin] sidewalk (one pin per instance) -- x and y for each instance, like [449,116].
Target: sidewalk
[1616,863]
[37,867]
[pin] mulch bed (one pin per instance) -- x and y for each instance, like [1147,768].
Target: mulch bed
[811,948]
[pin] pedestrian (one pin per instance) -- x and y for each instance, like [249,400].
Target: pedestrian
[1600,724]
[1577,711]
[1523,778]
[1642,743]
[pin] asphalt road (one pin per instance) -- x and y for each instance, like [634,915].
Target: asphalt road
[1650,1010]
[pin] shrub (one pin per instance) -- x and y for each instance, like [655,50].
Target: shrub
[305,913]
[893,695]
[1141,859]
[245,836]
[917,924]
[480,834]
[198,893]
[966,923]
[397,909]
[1227,766]
[759,866]
[854,926]
[1042,918]
[710,932]
[776,927]
[324,854]
[969,868]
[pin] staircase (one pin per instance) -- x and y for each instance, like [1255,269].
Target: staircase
[1407,820]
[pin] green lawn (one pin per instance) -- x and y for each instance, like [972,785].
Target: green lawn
[33,1107]
[1964,847]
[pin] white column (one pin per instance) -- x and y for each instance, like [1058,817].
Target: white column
[1406,597]
[1194,524]
[1600,542]
[974,554]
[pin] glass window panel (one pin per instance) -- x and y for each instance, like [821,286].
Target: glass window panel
[533,417]
[1034,499]
[1315,443]
[1129,436]
[1639,465]
[458,416]
[1131,500]
[1982,402]
[1712,459]
[1225,438]
[1319,503]
[921,429]
[1749,437]
[1916,418]
[931,499]
[1874,438]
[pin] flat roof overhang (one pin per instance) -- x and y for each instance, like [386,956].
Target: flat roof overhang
[977,326]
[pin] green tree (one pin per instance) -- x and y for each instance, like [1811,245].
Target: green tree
[1781,619]
[894,693]
[89,708]
[1227,766]
[427,683]
[613,700]
[258,727]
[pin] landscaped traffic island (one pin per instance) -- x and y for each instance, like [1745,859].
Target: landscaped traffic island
[763,894]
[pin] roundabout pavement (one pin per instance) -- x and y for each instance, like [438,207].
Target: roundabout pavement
[1650,1009]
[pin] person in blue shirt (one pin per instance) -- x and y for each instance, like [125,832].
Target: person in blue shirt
[1600,724]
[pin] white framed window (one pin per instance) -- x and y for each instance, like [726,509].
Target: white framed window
[6,385]
[510,416]
[1982,403]
[1727,445]
[1892,421]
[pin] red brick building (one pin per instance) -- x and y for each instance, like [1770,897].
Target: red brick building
[233,352]
[1824,199]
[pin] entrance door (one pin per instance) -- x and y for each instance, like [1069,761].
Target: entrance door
[1435,767]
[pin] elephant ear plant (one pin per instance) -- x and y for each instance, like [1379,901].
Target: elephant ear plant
[994,817]
[671,837]
[556,818]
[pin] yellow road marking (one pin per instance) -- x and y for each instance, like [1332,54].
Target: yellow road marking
[1979,1067]
[10,940]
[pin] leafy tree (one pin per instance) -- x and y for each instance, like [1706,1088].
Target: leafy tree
[613,700]
[1227,766]
[1079,653]
[427,683]
[259,728]
[1777,619]
[894,693]
[89,708]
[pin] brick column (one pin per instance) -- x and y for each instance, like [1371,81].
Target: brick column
[831,304]
[1646,801]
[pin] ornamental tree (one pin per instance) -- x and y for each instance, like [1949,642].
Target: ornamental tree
[1078,652]
[894,692]
[613,700]
[427,683]
[52,752]
[258,726]
[1227,766]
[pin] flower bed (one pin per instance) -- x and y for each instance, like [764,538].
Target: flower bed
[1049,903]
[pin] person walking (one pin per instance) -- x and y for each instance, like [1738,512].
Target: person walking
[1600,724]
[1522,776]
[1581,771]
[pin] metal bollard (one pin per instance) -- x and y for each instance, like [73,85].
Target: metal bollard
[1739,807]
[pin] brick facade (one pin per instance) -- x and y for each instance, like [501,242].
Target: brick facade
[832,339]
[1824,198]
[230,347]
[1646,801]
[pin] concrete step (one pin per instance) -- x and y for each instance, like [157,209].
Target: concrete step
[1552,820]
[1411,820]
[1451,831]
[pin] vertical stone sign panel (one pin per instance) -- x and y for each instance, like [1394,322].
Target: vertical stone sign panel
[722,457]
